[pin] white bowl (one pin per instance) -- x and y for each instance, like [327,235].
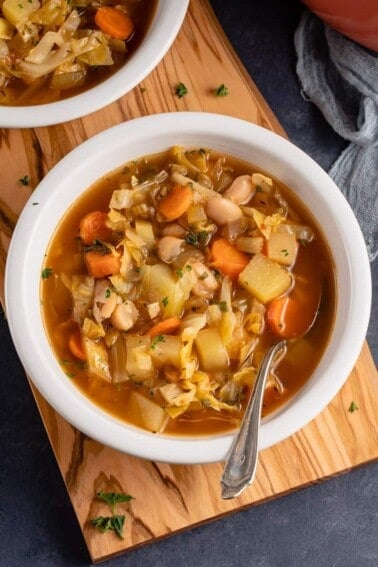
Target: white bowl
[107,151]
[160,36]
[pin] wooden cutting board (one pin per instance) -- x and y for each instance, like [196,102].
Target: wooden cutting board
[170,498]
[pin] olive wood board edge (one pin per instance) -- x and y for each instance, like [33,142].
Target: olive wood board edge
[172,498]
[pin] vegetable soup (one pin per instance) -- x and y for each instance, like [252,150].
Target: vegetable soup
[167,280]
[54,49]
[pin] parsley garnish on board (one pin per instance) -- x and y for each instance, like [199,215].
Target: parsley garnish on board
[165,301]
[46,273]
[115,522]
[181,90]
[109,523]
[113,498]
[222,90]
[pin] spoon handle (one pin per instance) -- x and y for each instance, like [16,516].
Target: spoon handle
[241,462]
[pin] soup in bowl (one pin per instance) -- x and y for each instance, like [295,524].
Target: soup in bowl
[181,246]
[60,60]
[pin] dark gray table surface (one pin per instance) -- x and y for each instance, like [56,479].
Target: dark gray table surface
[334,523]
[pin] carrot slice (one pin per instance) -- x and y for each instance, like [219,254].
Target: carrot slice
[93,227]
[75,344]
[165,327]
[114,22]
[101,265]
[291,316]
[176,202]
[227,258]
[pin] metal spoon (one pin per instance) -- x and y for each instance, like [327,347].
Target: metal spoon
[240,467]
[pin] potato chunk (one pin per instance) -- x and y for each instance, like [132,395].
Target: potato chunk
[146,412]
[211,351]
[282,248]
[265,279]
[18,10]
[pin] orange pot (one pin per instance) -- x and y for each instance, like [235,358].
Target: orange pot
[357,19]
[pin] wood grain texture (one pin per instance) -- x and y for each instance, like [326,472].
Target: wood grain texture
[168,498]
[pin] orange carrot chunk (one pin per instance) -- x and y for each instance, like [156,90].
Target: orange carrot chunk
[176,202]
[93,227]
[291,316]
[75,344]
[227,258]
[101,265]
[114,22]
[166,327]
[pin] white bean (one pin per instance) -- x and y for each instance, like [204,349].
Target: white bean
[206,282]
[223,211]
[241,190]
[169,247]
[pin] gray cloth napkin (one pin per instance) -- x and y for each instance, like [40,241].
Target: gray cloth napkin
[341,78]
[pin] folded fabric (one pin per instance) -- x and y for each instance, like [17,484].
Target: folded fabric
[341,78]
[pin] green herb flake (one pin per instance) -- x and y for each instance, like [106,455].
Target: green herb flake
[198,239]
[109,523]
[353,407]
[181,90]
[107,293]
[158,339]
[285,252]
[180,272]
[165,301]
[222,305]
[46,273]
[24,180]
[98,247]
[113,498]
[34,204]
[222,90]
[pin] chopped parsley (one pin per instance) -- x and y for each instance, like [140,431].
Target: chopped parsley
[24,180]
[46,273]
[35,204]
[98,247]
[285,252]
[180,271]
[198,239]
[107,293]
[181,90]
[222,305]
[353,407]
[158,339]
[165,301]
[109,523]
[222,90]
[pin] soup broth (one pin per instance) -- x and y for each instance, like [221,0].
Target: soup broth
[56,49]
[168,279]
